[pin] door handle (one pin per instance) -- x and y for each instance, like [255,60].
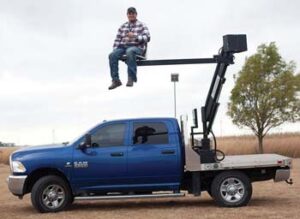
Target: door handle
[117,154]
[168,152]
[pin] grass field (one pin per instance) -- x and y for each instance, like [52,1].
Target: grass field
[287,144]
[269,200]
[5,152]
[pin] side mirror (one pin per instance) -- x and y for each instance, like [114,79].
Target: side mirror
[87,142]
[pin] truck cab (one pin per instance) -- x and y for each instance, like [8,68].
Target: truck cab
[129,155]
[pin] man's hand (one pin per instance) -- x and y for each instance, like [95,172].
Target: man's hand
[130,35]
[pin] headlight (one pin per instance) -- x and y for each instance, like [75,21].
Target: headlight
[18,167]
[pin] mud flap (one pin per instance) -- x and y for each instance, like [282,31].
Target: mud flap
[196,184]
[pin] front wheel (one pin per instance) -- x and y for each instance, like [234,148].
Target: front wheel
[231,189]
[50,194]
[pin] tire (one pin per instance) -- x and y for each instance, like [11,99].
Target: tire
[231,189]
[51,194]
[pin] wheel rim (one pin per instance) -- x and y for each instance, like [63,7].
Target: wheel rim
[232,190]
[53,196]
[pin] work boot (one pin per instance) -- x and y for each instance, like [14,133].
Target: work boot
[129,82]
[115,84]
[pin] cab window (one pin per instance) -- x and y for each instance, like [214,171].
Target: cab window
[110,135]
[150,133]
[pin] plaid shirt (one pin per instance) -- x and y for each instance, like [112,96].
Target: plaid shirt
[141,35]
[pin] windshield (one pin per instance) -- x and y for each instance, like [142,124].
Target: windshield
[80,136]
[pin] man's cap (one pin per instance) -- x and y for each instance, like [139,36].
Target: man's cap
[131,10]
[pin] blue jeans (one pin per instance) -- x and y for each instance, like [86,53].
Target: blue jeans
[115,56]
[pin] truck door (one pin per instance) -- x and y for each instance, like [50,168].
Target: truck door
[104,165]
[153,156]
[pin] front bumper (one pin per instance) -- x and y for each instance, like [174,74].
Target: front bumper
[16,184]
[282,175]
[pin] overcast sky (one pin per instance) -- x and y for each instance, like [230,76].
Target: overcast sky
[54,71]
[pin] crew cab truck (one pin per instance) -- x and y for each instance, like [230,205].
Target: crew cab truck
[134,158]
[146,157]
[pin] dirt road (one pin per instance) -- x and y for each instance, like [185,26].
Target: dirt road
[269,200]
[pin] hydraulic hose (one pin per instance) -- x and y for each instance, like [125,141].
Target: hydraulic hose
[216,150]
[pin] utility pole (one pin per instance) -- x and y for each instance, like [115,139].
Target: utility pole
[53,136]
[174,79]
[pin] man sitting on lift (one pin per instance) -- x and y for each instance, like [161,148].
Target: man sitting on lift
[131,40]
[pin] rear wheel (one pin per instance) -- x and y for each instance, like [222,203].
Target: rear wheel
[231,189]
[51,194]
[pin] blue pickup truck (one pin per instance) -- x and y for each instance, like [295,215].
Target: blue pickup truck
[134,158]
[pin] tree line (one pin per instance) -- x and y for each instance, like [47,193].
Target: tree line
[2,144]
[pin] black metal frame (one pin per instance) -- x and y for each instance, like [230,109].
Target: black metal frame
[231,44]
[176,61]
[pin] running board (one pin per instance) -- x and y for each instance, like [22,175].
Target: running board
[109,197]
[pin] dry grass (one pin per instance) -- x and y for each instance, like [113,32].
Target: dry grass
[287,144]
[269,200]
[5,153]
